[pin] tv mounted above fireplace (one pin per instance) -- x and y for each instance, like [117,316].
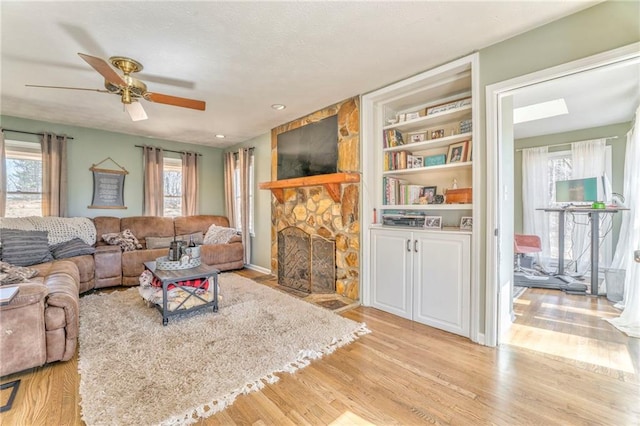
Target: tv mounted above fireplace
[309,150]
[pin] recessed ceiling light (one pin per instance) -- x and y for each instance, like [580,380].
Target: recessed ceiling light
[278,107]
[538,111]
[220,136]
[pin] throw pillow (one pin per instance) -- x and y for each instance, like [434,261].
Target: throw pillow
[164,242]
[219,235]
[24,248]
[11,274]
[74,247]
[125,239]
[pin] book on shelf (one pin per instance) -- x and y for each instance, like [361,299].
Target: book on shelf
[399,160]
[392,137]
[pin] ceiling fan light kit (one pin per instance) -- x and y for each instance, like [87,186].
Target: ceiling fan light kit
[129,88]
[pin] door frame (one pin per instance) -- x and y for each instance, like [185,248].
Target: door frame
[494,95]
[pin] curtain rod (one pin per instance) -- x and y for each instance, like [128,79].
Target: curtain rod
[169,150]
[30,133]
[566,143]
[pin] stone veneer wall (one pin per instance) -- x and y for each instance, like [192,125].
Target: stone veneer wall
[314,211]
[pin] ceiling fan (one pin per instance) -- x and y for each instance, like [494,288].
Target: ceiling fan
[129,88]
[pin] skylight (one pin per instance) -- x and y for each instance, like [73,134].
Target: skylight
[538,111]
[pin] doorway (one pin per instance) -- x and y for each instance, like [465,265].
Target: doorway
[500,178]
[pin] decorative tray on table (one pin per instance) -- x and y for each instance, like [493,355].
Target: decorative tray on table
[186,262]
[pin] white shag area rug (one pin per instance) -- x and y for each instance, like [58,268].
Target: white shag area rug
[133,370]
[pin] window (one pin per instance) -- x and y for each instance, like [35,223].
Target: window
[236,191]
[172,171]
[560,168]
[24,179]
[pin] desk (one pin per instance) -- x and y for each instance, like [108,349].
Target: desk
[594,215]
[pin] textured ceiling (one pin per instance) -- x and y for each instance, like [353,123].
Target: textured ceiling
[239,57]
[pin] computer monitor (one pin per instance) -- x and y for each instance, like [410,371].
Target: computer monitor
[583,190]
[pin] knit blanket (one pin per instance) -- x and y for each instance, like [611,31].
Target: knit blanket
[60,229]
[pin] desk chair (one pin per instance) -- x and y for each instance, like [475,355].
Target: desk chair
[525,244]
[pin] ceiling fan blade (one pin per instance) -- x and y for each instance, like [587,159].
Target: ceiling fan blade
[135,110]
[175,101]
[69,88]
[104,69]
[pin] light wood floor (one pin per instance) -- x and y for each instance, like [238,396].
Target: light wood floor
[406,373]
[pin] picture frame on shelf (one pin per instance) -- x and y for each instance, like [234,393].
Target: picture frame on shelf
[437,134]
[433,222]
[429,193]
[412,115]
[401,118]
[457,152]
[417,137]
[466,223]
[448,106]
[470,151]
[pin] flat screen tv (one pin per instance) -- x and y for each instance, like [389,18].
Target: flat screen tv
[309,150]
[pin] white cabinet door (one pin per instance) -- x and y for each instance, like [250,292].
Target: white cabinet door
[391,271]
[441,281]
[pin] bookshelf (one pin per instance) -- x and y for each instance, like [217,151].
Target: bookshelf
[418,137]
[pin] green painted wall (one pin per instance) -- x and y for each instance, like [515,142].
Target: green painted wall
[91,146]
[261,240]
[618,147]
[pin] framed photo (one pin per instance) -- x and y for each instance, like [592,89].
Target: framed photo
[433,222]
[412,115]
[417,137]
[457,152]
[436,134]
[401,118]
[466,223]
[429,193]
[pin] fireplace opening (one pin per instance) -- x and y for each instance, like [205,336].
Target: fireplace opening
[306,262]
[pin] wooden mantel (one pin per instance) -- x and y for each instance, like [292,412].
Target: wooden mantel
[331,183]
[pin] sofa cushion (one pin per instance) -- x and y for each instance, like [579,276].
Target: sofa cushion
[10,274]
[24,248]
[125,239]
[219,235]
[74,247]
[164,242]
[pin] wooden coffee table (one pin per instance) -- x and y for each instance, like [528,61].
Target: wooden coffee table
[167,278]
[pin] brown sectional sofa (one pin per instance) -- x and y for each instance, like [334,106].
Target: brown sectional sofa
[110,266]
[40,325]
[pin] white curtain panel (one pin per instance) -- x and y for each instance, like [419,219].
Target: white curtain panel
[587,160]
[535,195]
[190,198]
[153,159]
[3,175]
[629,241]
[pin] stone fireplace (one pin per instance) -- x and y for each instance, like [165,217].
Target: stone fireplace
[315,223]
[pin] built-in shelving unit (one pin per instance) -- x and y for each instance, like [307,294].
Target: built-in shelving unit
[418,134]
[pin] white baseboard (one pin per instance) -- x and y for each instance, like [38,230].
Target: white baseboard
[257,268]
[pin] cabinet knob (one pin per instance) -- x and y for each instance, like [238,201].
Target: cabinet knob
[415,245]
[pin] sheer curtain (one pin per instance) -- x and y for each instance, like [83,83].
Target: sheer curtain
[153,181]
[244,164]
[587,160]
[535,194]
[3,175]
[229,195]
[54,175]
[629,320]
[189,183]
